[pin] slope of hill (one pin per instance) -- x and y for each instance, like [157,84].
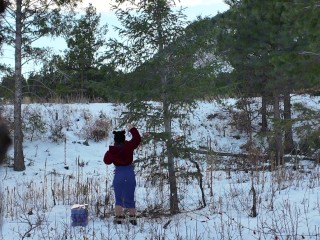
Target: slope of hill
[37,203]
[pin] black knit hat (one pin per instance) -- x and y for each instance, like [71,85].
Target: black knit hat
[119,136]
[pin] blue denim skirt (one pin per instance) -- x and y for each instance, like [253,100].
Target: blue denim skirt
[124,183]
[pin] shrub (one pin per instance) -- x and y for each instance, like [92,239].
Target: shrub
[33,123]
[56,132]
[96,129]
[241,121]
[59,120]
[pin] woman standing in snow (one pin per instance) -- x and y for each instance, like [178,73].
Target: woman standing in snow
[124,182]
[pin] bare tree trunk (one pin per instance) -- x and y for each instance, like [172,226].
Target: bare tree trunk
[264,101]
[18,136]
[174,207]
[288,139]
[254,212]
[264,122]
[277,130]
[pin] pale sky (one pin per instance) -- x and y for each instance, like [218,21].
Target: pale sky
[194,7]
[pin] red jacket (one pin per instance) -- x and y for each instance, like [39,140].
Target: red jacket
[122,155]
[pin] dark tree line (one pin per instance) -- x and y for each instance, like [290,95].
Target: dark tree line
[265,43]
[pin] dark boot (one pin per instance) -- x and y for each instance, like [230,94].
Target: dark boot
[119,219]
[133,220]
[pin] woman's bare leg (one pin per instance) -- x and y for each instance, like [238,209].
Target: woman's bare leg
[119,214]
[132,211]
[118,210]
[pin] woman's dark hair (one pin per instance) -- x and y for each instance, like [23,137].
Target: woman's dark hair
[119,136]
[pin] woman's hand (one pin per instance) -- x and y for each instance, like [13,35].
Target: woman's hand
[129,126]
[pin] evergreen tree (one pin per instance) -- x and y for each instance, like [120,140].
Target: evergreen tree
[263,49]
[84,41]
[154,49]
[30,20]
[307,24]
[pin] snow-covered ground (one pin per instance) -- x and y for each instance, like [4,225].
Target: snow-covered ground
[37,202]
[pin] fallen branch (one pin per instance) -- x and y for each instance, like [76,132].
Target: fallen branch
[222,154]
